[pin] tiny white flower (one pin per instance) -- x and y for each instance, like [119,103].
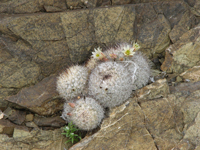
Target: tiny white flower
[98,54]
[136,46]
[71,133]
[128,51]
[67,128]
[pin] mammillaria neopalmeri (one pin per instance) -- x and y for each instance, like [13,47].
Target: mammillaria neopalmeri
[109,77]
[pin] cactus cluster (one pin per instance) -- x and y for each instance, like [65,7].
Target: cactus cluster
[107,80]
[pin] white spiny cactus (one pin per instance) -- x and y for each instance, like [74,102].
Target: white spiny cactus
[110,83]
[72,82]
[141,76]
[91,63]
[85,113]
[109,77]
[137,63]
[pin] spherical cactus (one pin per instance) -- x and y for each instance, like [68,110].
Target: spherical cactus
[86,113]
[110,83]
[72,82]
[137,63]
[140,69]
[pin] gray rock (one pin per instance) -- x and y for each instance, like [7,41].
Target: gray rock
[183,54]
[192,132]
[29,117]
[158,89]
[154,35]
[41,98]
[35,139]
[31,125]
[15,116]
[114,24]
[192,74]
[172,10]
[185,24]
[56,121]
[16,73]
[6,127]
[30,6]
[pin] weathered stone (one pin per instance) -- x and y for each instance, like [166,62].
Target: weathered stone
[154,35]
[53,121]
[178,79]
[192,74]
[21,6]
[191,107]
[120,2]
[145,13]
[184,25]
[34,140]
[114,24]
[41,98]
[193,133]
[184,145]
[195,5]
[4,92]
[37,27]
[52,9]
[6,127]
[74,3]
[31,125]
[29,117]
[197,148]
[16,48]
[155,90]
[18,73]
[190,2]
[79,33]
[60,4]
[50,54]
[21,134]
[91,3]
[16,116]
[104,3]
[185,88]
[158,74]
[4,55]
[183,54]
[172,10]
[163,120]
[13,145]
[30,6]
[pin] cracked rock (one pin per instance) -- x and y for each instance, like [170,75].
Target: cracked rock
[41,98]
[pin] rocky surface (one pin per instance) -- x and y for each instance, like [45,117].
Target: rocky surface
[191,75]
[183,54]
[37,139]
[159,123]
[41,98]
[40,38]
[16,116]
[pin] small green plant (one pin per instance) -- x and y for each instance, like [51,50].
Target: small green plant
[69,131]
